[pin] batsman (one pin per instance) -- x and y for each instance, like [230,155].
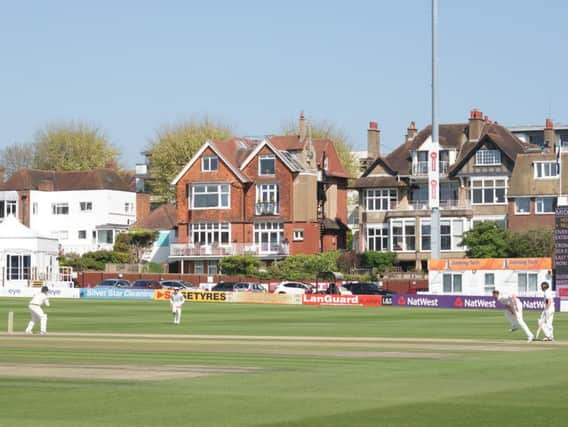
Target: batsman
[547,315]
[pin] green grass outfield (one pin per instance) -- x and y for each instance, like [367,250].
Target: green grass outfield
[102,362]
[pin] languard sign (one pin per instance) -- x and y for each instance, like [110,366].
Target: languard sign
[465,302]
[365,300]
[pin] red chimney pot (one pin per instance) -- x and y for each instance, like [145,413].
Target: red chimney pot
[476,114]
[549,124]
[373,125]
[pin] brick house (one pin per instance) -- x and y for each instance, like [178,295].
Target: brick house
[271,197]
[476,162]
[535,184]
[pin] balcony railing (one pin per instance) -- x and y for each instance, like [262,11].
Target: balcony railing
[421,168]
[416,205]
[219,251]
[267,208]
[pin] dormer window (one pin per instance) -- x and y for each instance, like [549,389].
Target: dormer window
[545,170]
[209,164]
[488,158]
[266,164]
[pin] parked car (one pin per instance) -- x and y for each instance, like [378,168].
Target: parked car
[238,287]
[146,284]
[114,283]
[175,284]
[294,288]
[365,288]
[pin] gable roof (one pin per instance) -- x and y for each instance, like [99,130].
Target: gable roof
[508,143]
[161,218]
[94,179]
[290,163]
[220,153]
[325,148]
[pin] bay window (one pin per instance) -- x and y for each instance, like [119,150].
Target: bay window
[377,237]
[489,191]
[403,235]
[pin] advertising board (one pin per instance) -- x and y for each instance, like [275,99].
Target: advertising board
[345,300]
[465,302]
[117,293]
[30,292]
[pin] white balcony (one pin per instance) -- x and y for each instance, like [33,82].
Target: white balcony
[261,250]
[267,208]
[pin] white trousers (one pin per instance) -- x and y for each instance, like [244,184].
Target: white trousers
[518,320]
[37,316]
[545,322]
[176,311]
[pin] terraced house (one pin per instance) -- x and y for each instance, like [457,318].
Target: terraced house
[476,163]
[267,197]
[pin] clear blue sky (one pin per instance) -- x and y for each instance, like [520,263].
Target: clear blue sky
[131,67]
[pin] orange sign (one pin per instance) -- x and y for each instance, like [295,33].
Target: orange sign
[477,264]
[437,264]
[529,263]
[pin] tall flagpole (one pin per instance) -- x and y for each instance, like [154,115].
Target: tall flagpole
[434,152]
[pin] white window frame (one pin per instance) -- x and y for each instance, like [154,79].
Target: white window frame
[268,194]
[200,269]
[455,234]
[377,233]
[128,207]
[522,212]
[18,267]
[453,288]
[405,237]
[35,208]
[60,208]
[380,199]
[489,285]
[212,268]
[266,157]
[86,206]
[489,183]
[222,190]
[298,235]
[84,234]
[209,164]
[545,170]
[269,230]
[539,205]
[488,158]
[529,285]
[207,233]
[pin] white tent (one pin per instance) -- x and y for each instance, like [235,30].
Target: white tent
[25,255]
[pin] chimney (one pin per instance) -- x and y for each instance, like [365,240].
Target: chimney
[302,126]
[373,141]
[475,124]
[549,135]
[2,177]
[411,131]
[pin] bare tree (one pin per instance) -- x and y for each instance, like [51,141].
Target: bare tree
[17,156]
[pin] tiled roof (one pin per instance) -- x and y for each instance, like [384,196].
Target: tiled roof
[377,182]
[326,147]
[95,179]
[161,218]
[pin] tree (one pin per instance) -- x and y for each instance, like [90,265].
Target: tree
[326,130]
[17,156]
[137,240]
[304,267]
[174,146]
[73,146]
[486,240]
[532,243]
[240,265]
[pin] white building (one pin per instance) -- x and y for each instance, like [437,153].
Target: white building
[26,256]
[519,276]
[83,210]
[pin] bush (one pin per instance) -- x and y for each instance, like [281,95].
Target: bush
[348,261]
[240,265]
[378,261]
[304,267]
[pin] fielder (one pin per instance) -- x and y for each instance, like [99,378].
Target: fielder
[514,312]
[547,315]
[37,313]
[176,301]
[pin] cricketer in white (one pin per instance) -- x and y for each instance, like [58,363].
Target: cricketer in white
[547,315]
[176,301]
[37,313]
[514,312]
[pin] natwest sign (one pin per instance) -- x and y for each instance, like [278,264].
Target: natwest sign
[366,300]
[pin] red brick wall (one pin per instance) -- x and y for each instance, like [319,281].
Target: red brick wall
[194,175]
[518,223]
[142,205]
[282,176]
[311,242]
